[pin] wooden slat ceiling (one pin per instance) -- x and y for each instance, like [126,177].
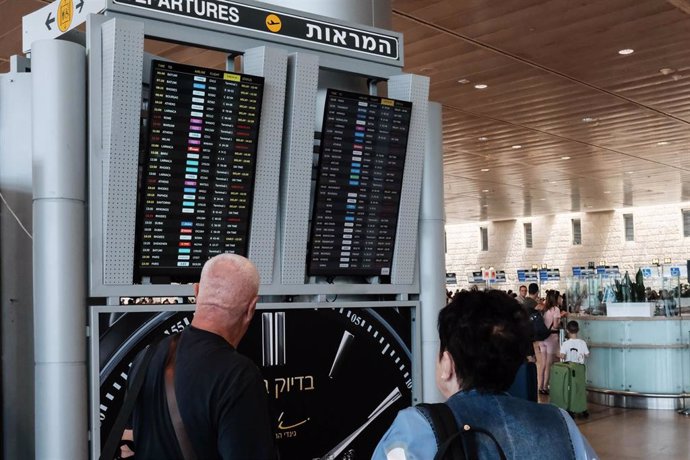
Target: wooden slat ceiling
[549,65]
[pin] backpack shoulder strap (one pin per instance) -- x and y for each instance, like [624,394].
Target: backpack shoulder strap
[173,408]
[444,426]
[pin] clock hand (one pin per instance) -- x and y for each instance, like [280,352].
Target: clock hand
[385,404]
[342,348]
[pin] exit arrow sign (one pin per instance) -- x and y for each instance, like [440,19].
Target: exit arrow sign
[57,18]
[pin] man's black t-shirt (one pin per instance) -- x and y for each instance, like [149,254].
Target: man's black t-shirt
[222,401]
[529,304]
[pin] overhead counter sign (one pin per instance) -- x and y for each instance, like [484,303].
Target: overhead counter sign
[57,18]
[277,23]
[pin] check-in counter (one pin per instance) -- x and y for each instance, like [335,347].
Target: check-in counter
[637,362]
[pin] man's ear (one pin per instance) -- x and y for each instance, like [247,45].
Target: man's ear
[196,289]
[251,309]
[447,366]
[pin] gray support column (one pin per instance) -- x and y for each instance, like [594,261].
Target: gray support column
[298,152]
[432,252]
[270,63]
[15,272]
[59,250]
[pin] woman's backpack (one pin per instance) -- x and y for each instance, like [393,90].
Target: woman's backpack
[541,331]
[454,443]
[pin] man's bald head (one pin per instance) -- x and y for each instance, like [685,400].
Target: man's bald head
[229,282]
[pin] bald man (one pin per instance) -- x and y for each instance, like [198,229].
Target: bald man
[221,394]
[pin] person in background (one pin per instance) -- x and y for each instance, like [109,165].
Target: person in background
[531,301]
[522,294]
[484,339]
[547,350]
[574,350]
[221,394]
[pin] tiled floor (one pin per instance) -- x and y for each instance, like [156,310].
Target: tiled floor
[617,434]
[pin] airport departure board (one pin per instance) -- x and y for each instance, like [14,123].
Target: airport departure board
[198,173]
[361,163]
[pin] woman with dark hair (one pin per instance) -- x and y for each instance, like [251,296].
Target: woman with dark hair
[485,337]
[549,348]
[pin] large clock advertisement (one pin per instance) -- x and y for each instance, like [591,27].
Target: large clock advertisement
[336,377]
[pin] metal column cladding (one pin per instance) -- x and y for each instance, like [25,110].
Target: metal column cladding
[270,63]
[413,88]
[59,249]
[297,161]
[123,55]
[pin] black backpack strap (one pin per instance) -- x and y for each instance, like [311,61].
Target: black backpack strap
[445,428]
[468,440]
[113,441]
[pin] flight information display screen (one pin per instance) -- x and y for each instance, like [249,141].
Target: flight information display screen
[198,173]
[361,163]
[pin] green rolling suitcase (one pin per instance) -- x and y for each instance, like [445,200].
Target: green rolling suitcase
[568,387]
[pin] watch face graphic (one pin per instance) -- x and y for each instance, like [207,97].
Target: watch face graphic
[336,377]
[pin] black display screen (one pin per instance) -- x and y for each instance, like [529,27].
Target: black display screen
[361,164]
[198,174]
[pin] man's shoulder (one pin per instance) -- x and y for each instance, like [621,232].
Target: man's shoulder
[529,302]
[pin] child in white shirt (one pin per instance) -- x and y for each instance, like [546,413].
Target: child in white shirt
[574,350]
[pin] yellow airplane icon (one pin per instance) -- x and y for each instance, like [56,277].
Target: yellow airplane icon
[273,23]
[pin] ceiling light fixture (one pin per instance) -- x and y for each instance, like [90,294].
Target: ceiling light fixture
[463,81]
[516,147]
[663,143]
[483,139]
[542,199]
[481,86]
[626,51]
[565,158]
[486,190]
[485,206]
[485,170]
[667,71]
[589,119]
[553,182]
[607,191]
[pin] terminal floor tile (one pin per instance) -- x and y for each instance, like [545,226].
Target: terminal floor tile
[618,434]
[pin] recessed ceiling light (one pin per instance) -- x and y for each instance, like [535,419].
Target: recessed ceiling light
[486,190]
[516,147]
[463,81]
[589,119]
[483,139]
[485,206]
[481,86]
[628,172]
[663,143]
[553,182]
[485,170]
[626,51]
[589,206]
[565,158]
[607,191]
[542,199]
[667,71]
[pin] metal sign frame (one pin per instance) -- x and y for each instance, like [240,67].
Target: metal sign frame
[253,21]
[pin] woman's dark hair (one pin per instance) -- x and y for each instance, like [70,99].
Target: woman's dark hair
[488,334]
[552,299]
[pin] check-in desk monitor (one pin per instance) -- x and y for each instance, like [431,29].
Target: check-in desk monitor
[198,169]
[360,173]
